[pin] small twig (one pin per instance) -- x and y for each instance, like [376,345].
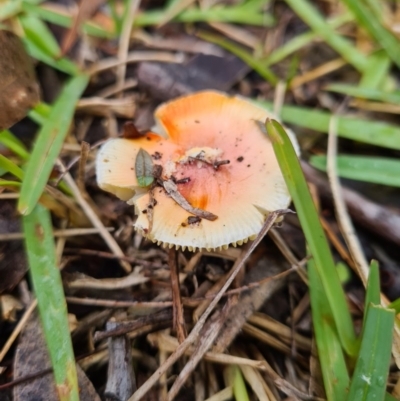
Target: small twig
[208,335]
[117,304]
[67,232]
[130,280]
[130,10]
[343,217]
[126,327]
[136,57]
[194,334]
[177,308]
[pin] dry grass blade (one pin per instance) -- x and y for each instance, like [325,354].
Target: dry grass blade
[177,308]
[344,221]
[67,232]
[130,13]
[108,283]
[135,57]
[194,334]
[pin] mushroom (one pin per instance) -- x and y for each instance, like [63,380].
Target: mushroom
[210,151]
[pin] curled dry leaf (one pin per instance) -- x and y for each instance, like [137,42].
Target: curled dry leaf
[19,90]
[215,162]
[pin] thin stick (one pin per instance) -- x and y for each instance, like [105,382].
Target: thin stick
[92,216]
[343,217]
[18,329]
[132,7]
[67,232]
[192,337]
[136,57]
[177,307]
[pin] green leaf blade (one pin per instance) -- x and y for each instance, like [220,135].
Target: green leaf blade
[49,142]
[331,357]
[313,232]
[367,131]
[377,170]
[49,292]
[372,367]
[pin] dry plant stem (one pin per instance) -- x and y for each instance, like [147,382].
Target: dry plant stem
[173,11]
[239,35]
[344,254]
[177,307]
[92,216]
[130,280]
[279,97]
[318,72]
[114,89]
[80,181]
[194,334]
[18,328]
[132,7]
[136,57]
[9,195]
[107,303]
[288,254]
[208,335]
[167,343]
[67,232]
[210,293]
[343,217]
[281,383]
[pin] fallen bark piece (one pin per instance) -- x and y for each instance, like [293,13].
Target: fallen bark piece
[120,376]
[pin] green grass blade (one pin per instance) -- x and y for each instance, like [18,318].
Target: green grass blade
[11,142]
[365,93]
[395,305]
[330,354]
[41,44]
[11,167]
[65,20]
[377,170]
[367,131]
[243,54]
[238,385]
[299,41]
[49,142]
[49,292]
[371,23]
[372,368]
[235,14]
[9,9]
[7,183]
[315,236]
[377,71]
[37,32]
[373,293]
[317,23]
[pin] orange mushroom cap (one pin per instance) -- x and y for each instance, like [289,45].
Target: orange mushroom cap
[196,136]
